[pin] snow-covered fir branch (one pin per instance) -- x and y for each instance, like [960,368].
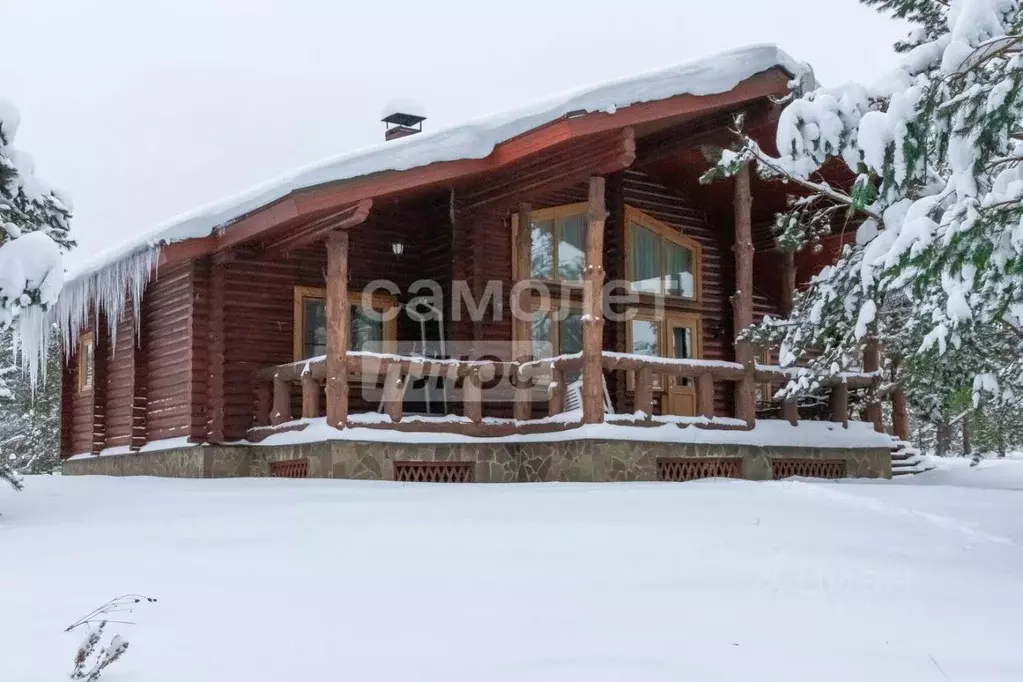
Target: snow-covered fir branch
[34,218]
[935,271]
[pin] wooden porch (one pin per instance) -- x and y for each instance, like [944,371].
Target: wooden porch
[333,374]
[394,373]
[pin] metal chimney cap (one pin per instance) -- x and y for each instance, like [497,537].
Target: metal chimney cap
[403,112]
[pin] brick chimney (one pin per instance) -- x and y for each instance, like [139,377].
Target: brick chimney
[402,118]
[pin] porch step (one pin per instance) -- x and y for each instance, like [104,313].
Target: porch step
[907,460]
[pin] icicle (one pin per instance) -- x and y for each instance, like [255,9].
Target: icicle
[31,343]
[104,292]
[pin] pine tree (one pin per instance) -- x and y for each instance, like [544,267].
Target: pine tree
[30,418]
[936,269]
[34,231]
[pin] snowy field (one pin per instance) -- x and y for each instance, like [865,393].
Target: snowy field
[274,580]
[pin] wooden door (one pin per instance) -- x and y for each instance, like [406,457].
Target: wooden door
[682,341]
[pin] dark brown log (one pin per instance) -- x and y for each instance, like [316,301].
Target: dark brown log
[840,404]
[944,436]
[216,334]
[872,365]
[788,282]
[101,341]
[556,392]
[645,391]
[543,368]
[282,402]
[790,411]
[742,299]
[714,130]
[140,386]
[692,369]
[705,395]
[900,414]
[967,444]
[523,324]
[310,397]
[264,403]
[569,165]
[343,219]
[394,393]
[473,394]
[337,329]
[593,318]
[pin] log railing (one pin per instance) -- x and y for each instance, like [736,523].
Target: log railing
[393,373]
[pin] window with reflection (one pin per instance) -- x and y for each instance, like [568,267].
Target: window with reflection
[661,259]
[558,243]
[368,330]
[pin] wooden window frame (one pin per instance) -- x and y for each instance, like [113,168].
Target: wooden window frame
[663,341]
[563,307]
[552,214]
[668,233]
[378,301]
[88,339]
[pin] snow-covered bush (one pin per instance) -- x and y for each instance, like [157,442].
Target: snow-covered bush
[936,269]
[33,233]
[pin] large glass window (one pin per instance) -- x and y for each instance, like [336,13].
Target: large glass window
[567,339]
[645,339]
[682,348]
[661,260]
[367,330]
[558,243]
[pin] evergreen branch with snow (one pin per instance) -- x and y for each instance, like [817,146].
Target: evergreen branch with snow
[34,218]
[935,272]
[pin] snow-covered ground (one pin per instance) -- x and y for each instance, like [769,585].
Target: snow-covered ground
[271,580]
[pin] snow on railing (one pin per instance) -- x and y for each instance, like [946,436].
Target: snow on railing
[396,370]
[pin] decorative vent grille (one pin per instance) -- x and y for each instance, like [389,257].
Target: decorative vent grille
[290,468]
[433,472]
[691,468]
[808,468]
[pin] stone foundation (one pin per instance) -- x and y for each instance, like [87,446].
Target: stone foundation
[569,460]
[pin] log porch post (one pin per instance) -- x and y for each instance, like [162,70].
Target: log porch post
[523,327]
[788,281]
[593,319]
[742,299]
[337,329]
[900,406]
[872,363]
[556,392]
[840,404]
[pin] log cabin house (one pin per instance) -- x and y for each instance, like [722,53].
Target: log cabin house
[285,332]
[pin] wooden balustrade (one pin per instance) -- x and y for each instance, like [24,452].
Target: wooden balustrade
[394,373]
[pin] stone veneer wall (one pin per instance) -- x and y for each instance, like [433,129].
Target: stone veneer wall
[571,460]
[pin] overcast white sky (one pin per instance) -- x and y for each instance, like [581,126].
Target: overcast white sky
[143,109]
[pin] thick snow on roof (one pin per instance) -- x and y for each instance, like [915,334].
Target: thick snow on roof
[474,139]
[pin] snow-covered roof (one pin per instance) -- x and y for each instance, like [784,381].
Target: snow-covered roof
[474,139]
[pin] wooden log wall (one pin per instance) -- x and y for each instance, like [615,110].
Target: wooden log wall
[167,313]
[78,407]
[258,318]
[120,382]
